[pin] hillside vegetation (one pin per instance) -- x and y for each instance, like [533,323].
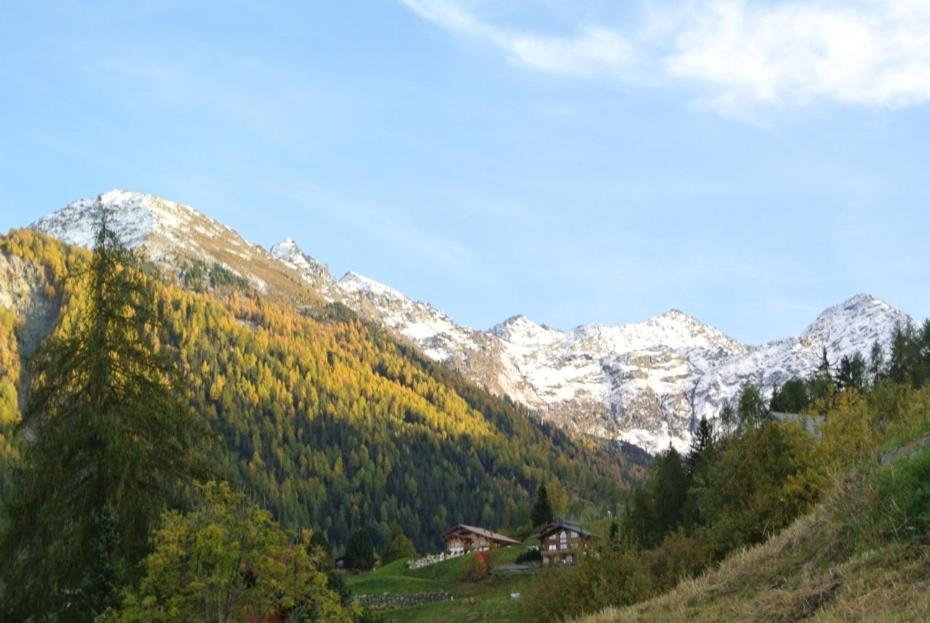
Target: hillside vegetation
[323,419]
[489,599]
[853,453]
[863,555]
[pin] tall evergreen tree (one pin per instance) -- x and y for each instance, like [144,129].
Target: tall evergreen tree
[876,362]
[751,410]
[852,372]
[640,518]
[701,443]
[360,553]
[542,509]
[822,383]
[108,442]
[670,489]
[792,397]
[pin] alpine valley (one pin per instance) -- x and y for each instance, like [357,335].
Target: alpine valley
[647,383]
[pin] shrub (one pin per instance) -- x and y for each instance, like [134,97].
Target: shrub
[761,482]
[400,548]
[893,503]
[480,568]
[680,556]
[612,576]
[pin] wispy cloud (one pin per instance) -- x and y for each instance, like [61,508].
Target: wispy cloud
[738,54]
[590,51]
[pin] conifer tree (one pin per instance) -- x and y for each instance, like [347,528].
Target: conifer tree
[360,553]
[701,444]
[792,397]
[542,509]
[670,487]
[108,442]
[751,410]
[876,362]
[852,372]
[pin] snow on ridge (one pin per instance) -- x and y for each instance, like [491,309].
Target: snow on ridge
[644,382]
[138,219]
[520,330]
[355,282]
[76,222]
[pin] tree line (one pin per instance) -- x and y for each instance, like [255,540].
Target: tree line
[146,392]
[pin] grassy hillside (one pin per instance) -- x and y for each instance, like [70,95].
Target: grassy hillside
[863,555]
[488,600]
[324,419]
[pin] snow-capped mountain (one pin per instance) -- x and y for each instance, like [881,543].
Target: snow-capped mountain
[174,235]
[646,383]
[310,270]
[844,329]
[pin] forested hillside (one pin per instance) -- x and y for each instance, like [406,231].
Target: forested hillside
[324,419]
[849,443]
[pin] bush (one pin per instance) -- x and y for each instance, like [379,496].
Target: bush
[890,504]
[480,568]
[613,576]
[400,548]
[680,556]
[360,553]
[760,482]
[228,560]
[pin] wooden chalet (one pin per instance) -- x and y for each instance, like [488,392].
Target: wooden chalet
[462,538]
[563,542]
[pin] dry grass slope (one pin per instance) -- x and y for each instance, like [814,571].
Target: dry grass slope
[799,575]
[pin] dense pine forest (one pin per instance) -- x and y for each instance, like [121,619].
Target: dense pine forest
[170,440]
[324,419]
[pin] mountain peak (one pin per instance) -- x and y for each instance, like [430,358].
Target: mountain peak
[287,249]
[842,325]
[521,330]
[355,282]
[675,316]
[311,271]
[859,305]
[138,218]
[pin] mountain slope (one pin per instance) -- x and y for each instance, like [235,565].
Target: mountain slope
[330,423]
[861,556]
[177,238]
[646,383]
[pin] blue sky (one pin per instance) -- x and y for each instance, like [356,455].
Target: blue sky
[588,161]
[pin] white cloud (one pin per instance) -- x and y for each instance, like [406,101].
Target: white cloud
[592,50]
[739,53]
[872,53]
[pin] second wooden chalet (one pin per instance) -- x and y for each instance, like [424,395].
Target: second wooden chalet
[463,538]
[563,542]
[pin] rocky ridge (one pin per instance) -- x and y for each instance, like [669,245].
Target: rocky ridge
[645,383]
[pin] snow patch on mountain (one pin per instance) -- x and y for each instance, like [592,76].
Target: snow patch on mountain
[434,332]
[317,275]
[647,383]
[168,232]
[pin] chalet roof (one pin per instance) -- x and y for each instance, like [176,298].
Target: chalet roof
[491,536]
[564,525]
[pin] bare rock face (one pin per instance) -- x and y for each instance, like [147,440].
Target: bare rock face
[646,383]
[23,291]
